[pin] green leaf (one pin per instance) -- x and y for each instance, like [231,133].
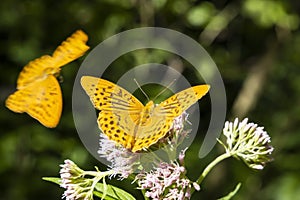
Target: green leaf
[104,191]
[52,179]
[231,194]
[111,192]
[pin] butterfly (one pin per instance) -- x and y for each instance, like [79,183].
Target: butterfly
[125,120]
[38,91]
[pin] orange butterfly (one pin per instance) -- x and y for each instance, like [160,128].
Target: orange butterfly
[38,91]
[124,119]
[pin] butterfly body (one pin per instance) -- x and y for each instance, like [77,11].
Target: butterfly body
[146,114]
[38,91]
[124,119]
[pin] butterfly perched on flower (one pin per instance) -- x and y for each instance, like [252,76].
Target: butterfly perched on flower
[124,119]
[38,91]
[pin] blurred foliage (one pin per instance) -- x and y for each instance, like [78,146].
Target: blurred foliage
[239,35]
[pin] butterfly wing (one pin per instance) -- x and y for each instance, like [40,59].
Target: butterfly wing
[34,71]
[120,110]
[42,100]
[175,105]
[164,114]
[152,132]
[70,49]
[111,125]
[38,91]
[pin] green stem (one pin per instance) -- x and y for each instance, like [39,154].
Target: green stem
[98,173]
[211,165]
[144,192]
[209,168]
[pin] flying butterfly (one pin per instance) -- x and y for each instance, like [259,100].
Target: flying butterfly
[38,91]
[124,119]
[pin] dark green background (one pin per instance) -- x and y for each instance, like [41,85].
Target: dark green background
[253,42]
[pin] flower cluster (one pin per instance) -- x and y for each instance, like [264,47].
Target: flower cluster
[166,181]
[77,185]
[72,180]
[248,142]
[122,161]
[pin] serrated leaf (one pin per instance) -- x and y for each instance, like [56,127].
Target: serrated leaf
[111,192]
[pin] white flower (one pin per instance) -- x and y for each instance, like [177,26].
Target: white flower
[248,142]
[123,161]
[74,180]
[166,181]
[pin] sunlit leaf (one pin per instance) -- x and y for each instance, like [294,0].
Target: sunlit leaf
[112,192]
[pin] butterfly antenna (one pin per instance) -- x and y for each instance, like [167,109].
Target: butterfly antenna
[165,89]
[141,89]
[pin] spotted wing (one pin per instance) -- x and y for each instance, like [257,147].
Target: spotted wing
[152,132]
[163,115]
[175,105]
[34,71]
[42,100]
[109,123]
[70,49]
[119,110]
